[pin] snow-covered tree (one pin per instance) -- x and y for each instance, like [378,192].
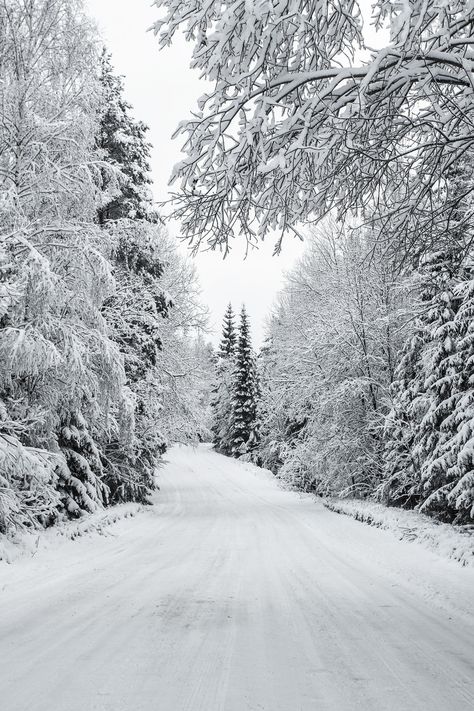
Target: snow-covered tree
[401,467]
[222,389]
[122,141]
[229,335]
[88,400]
[134,313]
[302,117]
[328,364]
[60,371]
[455,457]
[428,460]
[244,394]
[181,362]
[154,315]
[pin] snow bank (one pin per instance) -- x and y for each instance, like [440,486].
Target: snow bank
[448,541]
[24,544]
[258,472]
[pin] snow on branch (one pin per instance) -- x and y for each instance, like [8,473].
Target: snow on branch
[295,126]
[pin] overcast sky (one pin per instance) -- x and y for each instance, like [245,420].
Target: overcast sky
[163,91]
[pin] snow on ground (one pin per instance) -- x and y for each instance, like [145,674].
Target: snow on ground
[233,594]
[456,542]
[13,547]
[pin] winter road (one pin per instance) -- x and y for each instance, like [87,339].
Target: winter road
[233,595]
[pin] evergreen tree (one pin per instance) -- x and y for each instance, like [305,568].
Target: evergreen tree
[440,375]
[423,429]
[135,313]
[123,143]
[136,310]
[222,391]
[401,468]
[448,468]
[229,336]
[245,393]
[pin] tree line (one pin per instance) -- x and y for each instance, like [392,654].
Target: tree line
[101,363]
[367,377]
[364,386]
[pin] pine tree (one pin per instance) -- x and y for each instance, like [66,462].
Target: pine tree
[222,391]
[401,468]
[426,392]
[136,311]
[448,470]
[245,393]
[229,336]
[123,143]
[440,380]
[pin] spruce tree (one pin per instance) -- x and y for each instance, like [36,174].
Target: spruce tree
[122,141]
[135,312]
[448,471]
[222,391]
[245,393]
[401,467]
[420,455]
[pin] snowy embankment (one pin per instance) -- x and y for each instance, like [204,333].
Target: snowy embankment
[456,542]
[28,543]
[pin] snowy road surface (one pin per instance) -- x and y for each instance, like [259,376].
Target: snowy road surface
[231,594]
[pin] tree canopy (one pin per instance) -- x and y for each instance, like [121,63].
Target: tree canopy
[297,125]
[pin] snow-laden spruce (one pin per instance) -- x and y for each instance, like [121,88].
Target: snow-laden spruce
[236,391]
[222,390]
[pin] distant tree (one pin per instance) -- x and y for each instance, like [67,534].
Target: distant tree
[328,364]
[222,390]
[229,336]
[245,393]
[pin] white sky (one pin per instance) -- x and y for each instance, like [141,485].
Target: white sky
[163,90]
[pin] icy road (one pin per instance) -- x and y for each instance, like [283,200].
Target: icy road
[231,594]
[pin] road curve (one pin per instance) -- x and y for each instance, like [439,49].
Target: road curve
[233,595]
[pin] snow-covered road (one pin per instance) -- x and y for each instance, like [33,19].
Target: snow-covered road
[231,594]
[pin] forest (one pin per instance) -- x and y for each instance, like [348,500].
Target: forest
[102,356]
[364,386]
[235,478]
[366,377]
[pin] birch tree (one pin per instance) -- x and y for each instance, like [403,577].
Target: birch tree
[328,365]
[303,118]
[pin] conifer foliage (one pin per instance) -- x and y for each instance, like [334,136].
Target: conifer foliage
[122,141]
[245,393]
[222,390]
[229,336]
[235,405]
[429,459]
